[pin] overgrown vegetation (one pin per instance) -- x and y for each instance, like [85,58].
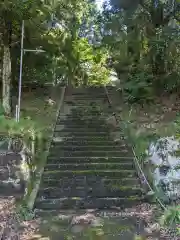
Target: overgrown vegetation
[26,138]
[140,140]
[30,138]
[63,30]
[143,37]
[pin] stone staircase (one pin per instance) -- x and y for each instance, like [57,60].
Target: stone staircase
[86,168]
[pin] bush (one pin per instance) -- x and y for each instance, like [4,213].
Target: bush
[169,83]
[139,86]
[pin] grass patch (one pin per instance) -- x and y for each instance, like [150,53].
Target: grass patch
[39,110]
[160,118]
[43,113]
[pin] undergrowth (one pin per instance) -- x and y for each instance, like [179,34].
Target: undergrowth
[140,141]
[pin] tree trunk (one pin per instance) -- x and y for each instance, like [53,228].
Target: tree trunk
[6,80]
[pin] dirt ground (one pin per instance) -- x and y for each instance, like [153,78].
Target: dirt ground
[61,226]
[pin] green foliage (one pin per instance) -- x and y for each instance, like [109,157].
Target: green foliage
[138,86]
[24,213]
[90,62]
[171,217]
[67,47]
[140,143]
[32,141]
[144,46]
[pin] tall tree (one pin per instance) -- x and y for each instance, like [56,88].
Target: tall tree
[57,26]
[143,41]
[12,13]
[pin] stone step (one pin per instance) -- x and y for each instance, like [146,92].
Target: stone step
[82,181]
[87,142]
[74,122]
[89,166]
[91,97]
[83,103]
[89,101]
[54,214]
[87,89]
[84,129]
[83,203]
[79,112]
[59,137]
[86,93]
[84,132]
[120,153]
[56,147]
[94,173]
[81,126]
[57,159]
[79,121]
[87,122]
[73,101]
[65,133]
[96,90]
[67,214]
[95,117]
[98,191]
[76,117]
[85,110]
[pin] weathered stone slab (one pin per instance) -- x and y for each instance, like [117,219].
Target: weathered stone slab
[11,179]
[164,161]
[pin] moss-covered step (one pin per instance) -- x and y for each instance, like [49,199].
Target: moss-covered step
[85,203]
[79,114]
[90,97]
[77,120]
[87,133]
[94,173]
[57,146]
[81,134]
[82,181]
[68,137]
[86,191]
[81,102]
[89,166]
[55,215]
[85,95]
[56,160]
[89,142]
[93,153]
[66,128]
[78,124]
[86,120]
